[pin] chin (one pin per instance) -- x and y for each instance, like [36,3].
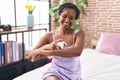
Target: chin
[66,26]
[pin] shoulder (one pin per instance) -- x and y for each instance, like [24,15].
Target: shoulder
[48,33]
[79,32]
[47,37]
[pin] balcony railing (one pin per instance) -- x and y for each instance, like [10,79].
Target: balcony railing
[29,37]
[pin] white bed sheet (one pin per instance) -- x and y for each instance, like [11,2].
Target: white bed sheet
[94,66]
[99,66]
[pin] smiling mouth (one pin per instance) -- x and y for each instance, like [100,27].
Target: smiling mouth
[66,24]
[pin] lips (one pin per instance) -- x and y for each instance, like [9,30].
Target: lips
[66,24]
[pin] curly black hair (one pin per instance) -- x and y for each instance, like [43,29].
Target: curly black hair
[67,5]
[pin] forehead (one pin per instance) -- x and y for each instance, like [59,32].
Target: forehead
[69,11]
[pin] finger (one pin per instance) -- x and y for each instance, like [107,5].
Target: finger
[58,47]
[54,47]
[33,57]
[29,58]
[32,60]
[37,58]
[27,52]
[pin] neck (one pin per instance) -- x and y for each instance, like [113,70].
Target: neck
[64,31]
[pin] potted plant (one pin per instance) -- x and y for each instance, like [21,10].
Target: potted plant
[80,4]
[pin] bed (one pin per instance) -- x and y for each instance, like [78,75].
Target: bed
[96,64]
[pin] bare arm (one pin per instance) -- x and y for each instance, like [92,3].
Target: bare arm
[42,43]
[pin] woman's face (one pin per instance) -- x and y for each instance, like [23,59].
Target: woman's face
[67,18]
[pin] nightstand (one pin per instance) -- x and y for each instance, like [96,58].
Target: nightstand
[94,43]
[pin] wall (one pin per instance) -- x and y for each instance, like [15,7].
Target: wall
[102,16]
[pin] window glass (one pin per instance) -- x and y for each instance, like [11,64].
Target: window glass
[21,12]
[7,12]
[44,12]
[14,12]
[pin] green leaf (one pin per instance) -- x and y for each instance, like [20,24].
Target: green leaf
[76,25]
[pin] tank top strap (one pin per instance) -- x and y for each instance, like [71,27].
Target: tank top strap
[74,35]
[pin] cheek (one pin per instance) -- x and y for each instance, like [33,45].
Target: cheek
[73,21]
[61,20]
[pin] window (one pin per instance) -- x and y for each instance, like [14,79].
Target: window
[7,12]
[13,12]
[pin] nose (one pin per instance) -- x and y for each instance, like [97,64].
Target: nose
[67,20]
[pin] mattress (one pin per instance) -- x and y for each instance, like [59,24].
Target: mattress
[94,66]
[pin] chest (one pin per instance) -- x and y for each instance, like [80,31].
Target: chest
[69,39]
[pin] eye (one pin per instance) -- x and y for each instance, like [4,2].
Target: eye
[64,16]
[72,18]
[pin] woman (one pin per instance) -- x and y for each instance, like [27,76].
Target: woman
[65,64]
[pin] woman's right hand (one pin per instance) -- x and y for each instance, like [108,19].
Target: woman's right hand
[37,54]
